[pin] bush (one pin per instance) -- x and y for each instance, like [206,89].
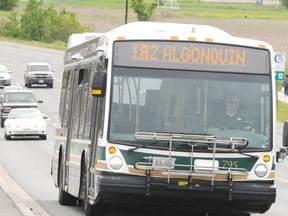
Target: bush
[285,3]
[143,10]
[42,24]
[8,4]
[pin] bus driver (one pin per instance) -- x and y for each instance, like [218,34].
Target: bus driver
[230,119]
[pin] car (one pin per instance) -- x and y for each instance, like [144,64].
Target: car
[10,88]
[25,122]
[5,76]
[17,99]
[38,73]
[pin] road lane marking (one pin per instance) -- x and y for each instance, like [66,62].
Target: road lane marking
[23,201]
[282,179]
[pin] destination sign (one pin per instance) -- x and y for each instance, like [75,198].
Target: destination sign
[191,56]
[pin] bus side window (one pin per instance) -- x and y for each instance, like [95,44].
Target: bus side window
[65,94]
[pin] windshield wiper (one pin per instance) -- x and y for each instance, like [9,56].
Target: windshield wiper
[141,146]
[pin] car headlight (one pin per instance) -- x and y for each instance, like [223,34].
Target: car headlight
[40,126]
[260,170]
[11,126]
[31,77]
[116,162]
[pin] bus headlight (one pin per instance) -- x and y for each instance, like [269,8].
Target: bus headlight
[115,162]
[260,170]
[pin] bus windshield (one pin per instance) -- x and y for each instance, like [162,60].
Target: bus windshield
[174,101]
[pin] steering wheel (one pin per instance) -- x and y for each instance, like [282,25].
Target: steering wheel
[238,125]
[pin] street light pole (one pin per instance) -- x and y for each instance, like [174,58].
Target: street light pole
[126,12]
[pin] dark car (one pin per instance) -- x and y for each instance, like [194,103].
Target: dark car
[17,99]
[38,73]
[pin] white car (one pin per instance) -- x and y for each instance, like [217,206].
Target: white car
[5,76]
[25,122]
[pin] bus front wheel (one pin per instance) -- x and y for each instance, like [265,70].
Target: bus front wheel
[64,197]
[99,208]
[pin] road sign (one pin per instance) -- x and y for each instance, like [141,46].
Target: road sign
[279,75]
[279,61]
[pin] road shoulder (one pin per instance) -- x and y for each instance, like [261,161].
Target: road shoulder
[14,200]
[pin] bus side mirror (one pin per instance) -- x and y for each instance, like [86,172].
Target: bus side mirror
[283,152]
[281,155]
[99,84]
[285,134]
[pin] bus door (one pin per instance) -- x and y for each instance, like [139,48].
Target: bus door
[74,73]
[97,118]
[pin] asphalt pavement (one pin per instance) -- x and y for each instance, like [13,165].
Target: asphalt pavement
[10,201]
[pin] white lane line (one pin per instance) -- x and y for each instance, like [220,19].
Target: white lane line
[24,202]
[282,179]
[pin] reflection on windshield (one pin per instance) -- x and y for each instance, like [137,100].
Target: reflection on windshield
[190,103]
[39,68]
[19,97]
[25,114]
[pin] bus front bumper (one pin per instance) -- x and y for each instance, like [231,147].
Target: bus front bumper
[243,197]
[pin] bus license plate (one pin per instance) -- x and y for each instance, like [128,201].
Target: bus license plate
[163,163]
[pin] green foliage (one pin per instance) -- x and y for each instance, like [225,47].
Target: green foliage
[143,10]
[39,23]
[285,3]
[11,28]
[8,4]
[32,21]
[282,111]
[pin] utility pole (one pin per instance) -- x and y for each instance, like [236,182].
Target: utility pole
[126,12]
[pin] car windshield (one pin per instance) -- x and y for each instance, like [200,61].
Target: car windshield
[3,69]
[19,97]
[183,102]
[25,114]
[39,68]
[11,88]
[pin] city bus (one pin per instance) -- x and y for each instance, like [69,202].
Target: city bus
[135,114]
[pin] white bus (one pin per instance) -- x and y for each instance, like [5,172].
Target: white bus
[136,111]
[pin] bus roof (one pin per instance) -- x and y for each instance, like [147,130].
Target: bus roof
[79,38]
[179,31]
[157,31]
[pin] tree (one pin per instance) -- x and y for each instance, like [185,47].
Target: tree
[12,27]
[143,10]
[8,4]
[33,21]
[43,24]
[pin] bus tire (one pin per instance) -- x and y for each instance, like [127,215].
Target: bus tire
[235,214]
[43,137]
[90,210]
[64,197]
[7,137]
[97,209]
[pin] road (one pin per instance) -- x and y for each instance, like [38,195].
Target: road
[28,161]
